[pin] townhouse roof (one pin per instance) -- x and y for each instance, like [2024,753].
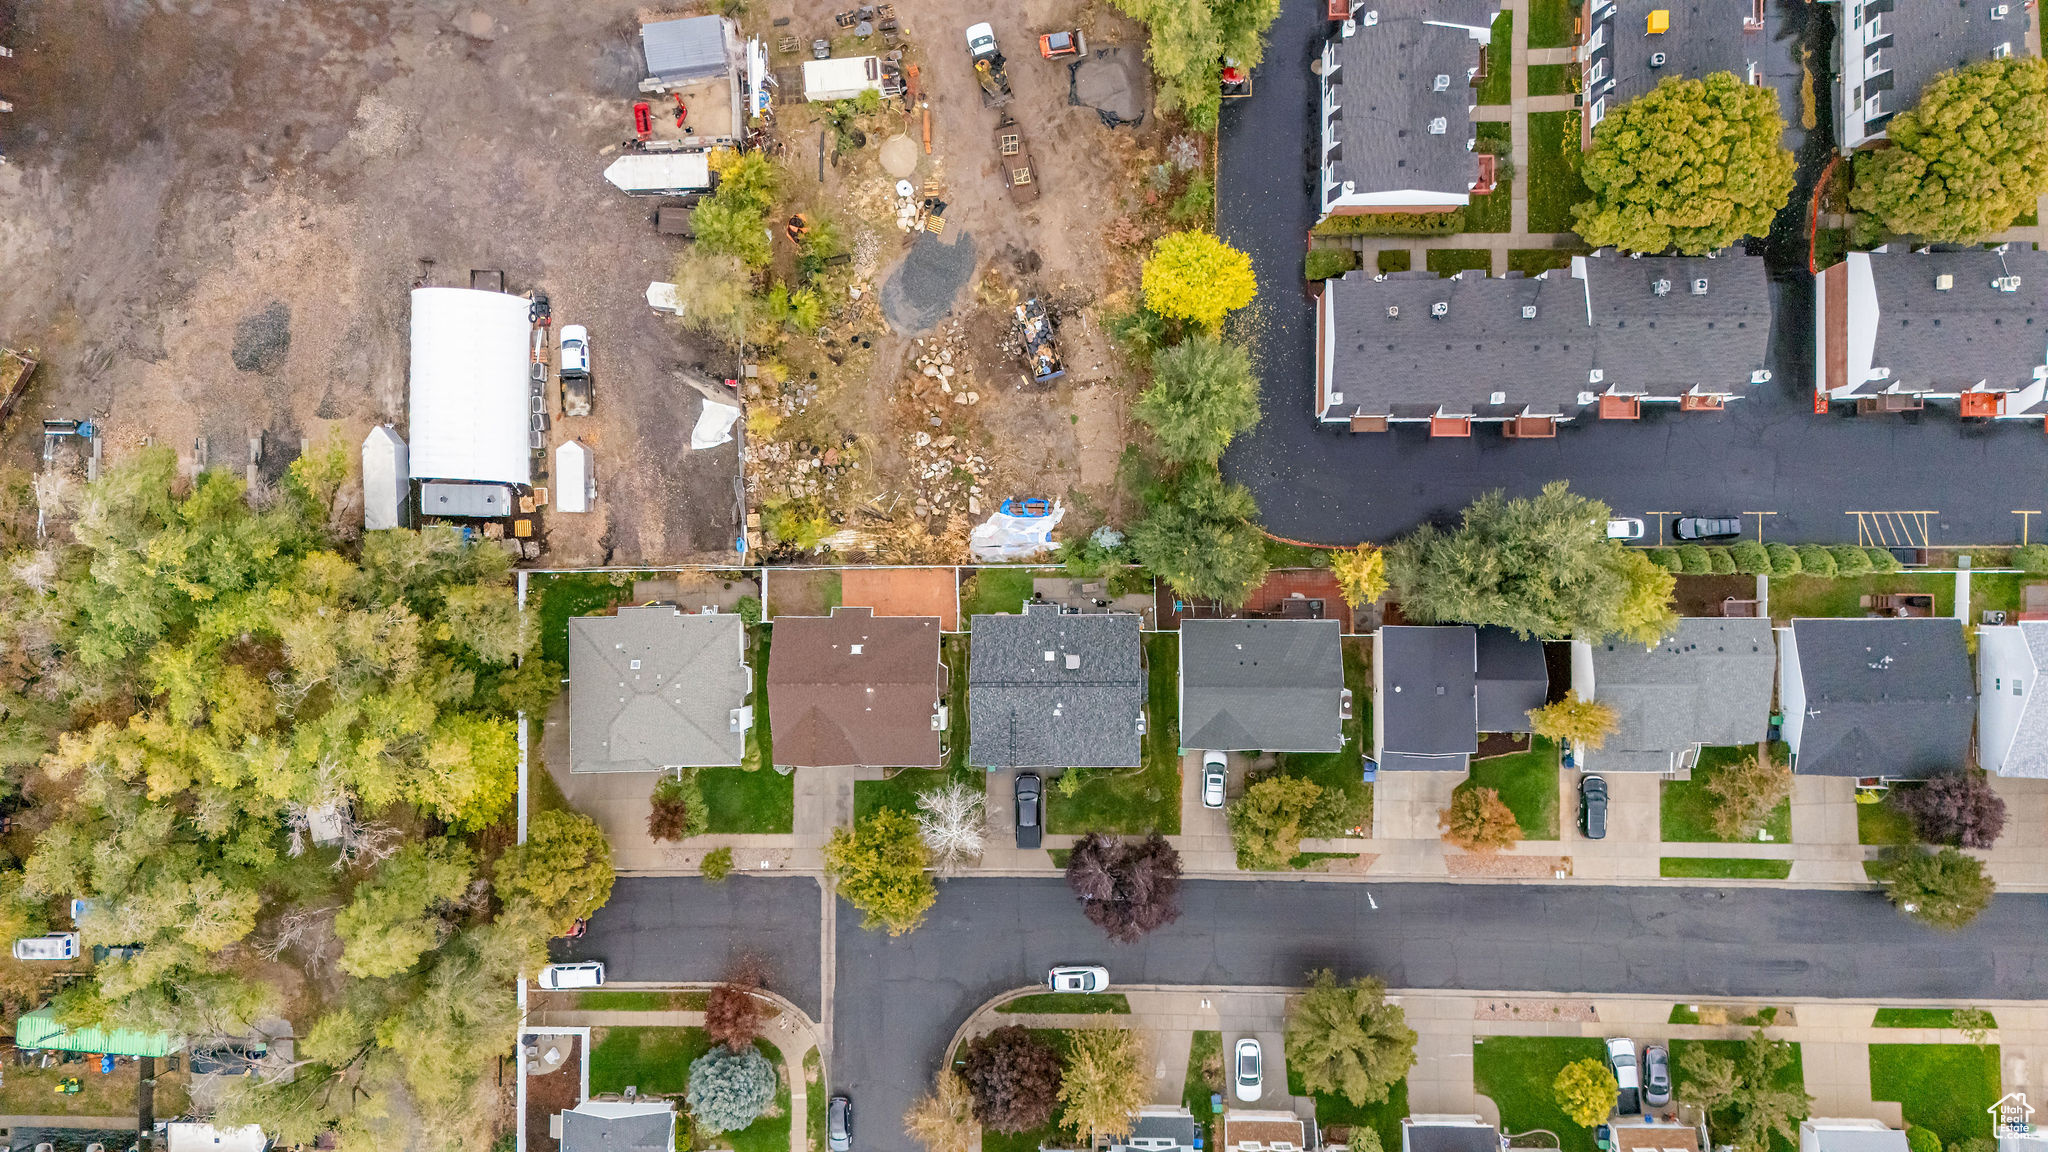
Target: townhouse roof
[1664,324]
[1428,678]
[1700,37]
[2026,750]
[1275,685]
[1403,89]
[1709,682]
[653,688]
[1052,689]
[853,689]
[1884,696]
[1262,1130]
[1920,39]
[1512,680]
[1463,1136]
[1969,331]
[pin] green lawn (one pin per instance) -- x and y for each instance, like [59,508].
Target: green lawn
[556,596]
[1450,261]
[1090,1003]
[1518,1073]
[655,1060]
[771,1132]
[1946,1087]
[814,1100]
[1493,212]
[1917,1018]
[1552,79]
[1688,807]
[759,750]
[1530,261]
[1146,799]
[1060,856]
[1495,89]
[991,590]
[1690,1014]
[1550,23]
[1196,1089]
[1394,260]
[1716,868]
[1841,596]
[1554,184]
[954,650]
[1880,823]
[901,790]
[762,801]
[1344,769]
[621,1000]
[1998,592]
[1527,783]
[1383,1117]
[1311,861]
[1793,1075]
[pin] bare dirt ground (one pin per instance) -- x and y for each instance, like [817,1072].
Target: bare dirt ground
[188,175]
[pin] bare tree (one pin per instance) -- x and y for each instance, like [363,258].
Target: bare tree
[294,928]
[954,824]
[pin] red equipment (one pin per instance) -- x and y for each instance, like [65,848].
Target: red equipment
[643,119]
[681,111]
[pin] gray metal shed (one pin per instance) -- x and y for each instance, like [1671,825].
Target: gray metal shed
[690,49]
[466,501]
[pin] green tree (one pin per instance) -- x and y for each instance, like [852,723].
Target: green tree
[1194,276]
[1743,1097]
[399,914]
[1745,794]
[1266,823]
[562,874]
[1203,393]
[726,228]
[879,866]
[1183,44]
[1692,164]
[1197,535]
[1574,718]
[1586,1091]
[1346,1039]
[1966,161]
[1106,1081]
[729,1090]
[1943,889]
[1542,566]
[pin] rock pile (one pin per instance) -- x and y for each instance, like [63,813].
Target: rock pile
[946,473]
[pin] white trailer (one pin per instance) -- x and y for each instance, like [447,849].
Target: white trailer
[843,78]
[661,173]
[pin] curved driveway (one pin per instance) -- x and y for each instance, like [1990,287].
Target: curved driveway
[897,1001]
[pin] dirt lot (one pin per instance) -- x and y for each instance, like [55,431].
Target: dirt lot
[213,211]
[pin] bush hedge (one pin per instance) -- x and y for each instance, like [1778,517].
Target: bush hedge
[1394,224]
[1694,561]
[1850,560]
[1751,558]
[1323,263]
[1784,559]
[1665,558]
[1814,560]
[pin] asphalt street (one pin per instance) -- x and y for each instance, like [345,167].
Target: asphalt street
[1767,453]
[898,1001]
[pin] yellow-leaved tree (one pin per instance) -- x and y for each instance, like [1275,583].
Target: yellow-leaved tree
[1194,276]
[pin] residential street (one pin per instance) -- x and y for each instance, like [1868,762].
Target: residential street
[1767,453]
[896,1002]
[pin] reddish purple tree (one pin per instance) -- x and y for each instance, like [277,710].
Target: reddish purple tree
[1960,809]
[1126,887]
[1014,1078]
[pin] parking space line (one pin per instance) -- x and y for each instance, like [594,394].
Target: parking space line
[1759,523]
[2026,516]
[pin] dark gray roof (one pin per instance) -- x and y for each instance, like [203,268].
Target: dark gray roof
[1160,1129]
[646,1132]
[1512,680]
[1966,333]
[1884,697]
[1705,36]
[1274,685]
[1709,682]
[1425,1137]
[1428,678]
[1658,335]
[1924,38]
[1385,87]
[1047,689]
[687,49]
[654,688]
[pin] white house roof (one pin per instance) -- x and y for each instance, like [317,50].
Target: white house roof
[654,172]
[2012,715]
[469,409]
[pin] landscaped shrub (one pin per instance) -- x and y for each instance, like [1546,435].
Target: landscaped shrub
[1784,559]
[1722,561]
[717,864]
[1921,1138]
[729,1090]
[1850,560]
[1751,558]
[1881,560]
[678,811]
[1665,558]
[1394,224]
[1323,263]
[1815,560]
[1694,561]
[2031,558]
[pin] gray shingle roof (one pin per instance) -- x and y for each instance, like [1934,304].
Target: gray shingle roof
[646,1132]
[1709,682]
[1275,685]
[1155,1127]
[1426,1137]
[1925,38]
[1884,697]
[1512,680]
[1705,36]
[686,49]
[652,688]
[1967,333]
[1077,709]
[1385,86]
[1428,686]
[1657,336]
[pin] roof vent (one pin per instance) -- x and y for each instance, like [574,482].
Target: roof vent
[1657,59]
[1586,397]
[1073,661]
[1393,310]
[1998,11]
[1661,287]
[1760,376]
[1442,82]
[1944,282]
[1048,655]
[634,665]
[2006,283]
[1595,376]
[854,649]
[1371,18]
[1498,398]
[1528,311]
[2002,51]
[1699,286]
[1439,126]
[1440,309]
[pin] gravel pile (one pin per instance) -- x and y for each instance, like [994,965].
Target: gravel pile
[921,290]
[262,340]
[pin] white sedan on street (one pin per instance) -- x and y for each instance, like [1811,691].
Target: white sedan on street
[1077,978]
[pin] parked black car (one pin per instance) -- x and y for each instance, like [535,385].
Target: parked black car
[1593,807]
[1708,527]
[1030,810]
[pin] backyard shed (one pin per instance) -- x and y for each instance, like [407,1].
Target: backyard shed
[387,478]
[842,78]
[469,408]
[39,1029]
[687,49]
[575,478]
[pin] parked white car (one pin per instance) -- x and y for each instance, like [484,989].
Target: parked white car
[589,974]
[1077,978]
[55,946]
[1625,528]
[1215,776]
[1249,1080]
[981,41]
[1621,1055]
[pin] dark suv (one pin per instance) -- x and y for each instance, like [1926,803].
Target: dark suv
[1030,810]
[1709,528]
[1593,807]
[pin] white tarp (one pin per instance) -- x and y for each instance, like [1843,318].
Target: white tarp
[714,424]
[1006,537]
[469,410]
[664,297]
[387,479]
[188,1137]
[655,173]
[575,479]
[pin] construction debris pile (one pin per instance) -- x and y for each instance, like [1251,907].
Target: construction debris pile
[797,468]
[947,473]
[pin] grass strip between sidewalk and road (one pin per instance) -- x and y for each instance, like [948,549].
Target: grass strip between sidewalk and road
[1722,868]
[1080,1003]
[1918,1018]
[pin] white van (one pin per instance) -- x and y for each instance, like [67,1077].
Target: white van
[55,946]
[589,974]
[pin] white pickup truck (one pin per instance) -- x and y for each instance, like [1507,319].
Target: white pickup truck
[1621,1054]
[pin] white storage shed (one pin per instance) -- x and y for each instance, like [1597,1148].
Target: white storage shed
[575,478]
[470,408]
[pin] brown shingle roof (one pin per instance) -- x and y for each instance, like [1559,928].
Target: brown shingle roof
[1655,1138]
[1264,1130]
[854,689]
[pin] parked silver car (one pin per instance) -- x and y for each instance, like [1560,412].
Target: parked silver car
[1215,776]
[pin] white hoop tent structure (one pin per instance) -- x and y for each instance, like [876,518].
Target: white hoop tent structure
[469,413]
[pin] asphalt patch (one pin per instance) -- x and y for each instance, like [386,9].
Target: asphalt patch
[921,290]
[263,339]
